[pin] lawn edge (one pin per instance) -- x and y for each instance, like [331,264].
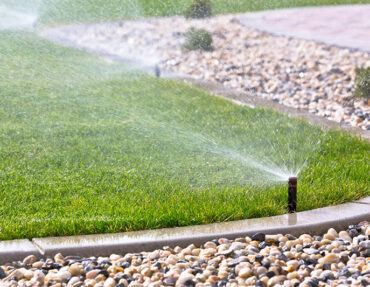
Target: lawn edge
[314,221]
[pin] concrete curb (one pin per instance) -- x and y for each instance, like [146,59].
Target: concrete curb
[313,221]
[12,250]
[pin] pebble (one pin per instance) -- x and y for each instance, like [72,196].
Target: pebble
[284,260]
[30,259]
[329,259]
[28,274]
[294,72]
[245,272]
[75,269]
[185,279]
[276,280]
[367,233]
[329,236]
[259,236]
[169,281]
[333,232]
[345,236]
[353,232]
[365,244]
[2,273]
[73,281]
[37,264]
[38,277]
[110,282]
[92,274]
[64,276]
[15,275]
[58,258]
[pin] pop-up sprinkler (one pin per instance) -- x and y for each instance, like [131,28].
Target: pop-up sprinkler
[157,71]
[292,194]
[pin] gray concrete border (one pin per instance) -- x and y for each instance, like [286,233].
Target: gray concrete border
[315,221]
[12,250]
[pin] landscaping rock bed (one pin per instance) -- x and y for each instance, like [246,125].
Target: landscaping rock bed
[298,73]
[335,258]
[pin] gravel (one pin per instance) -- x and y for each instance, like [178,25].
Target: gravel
[298,73]
[331,259]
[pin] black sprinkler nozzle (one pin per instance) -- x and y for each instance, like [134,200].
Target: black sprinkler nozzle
[292,194]
[157,71]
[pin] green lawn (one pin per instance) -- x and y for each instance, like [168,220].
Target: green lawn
[92,147]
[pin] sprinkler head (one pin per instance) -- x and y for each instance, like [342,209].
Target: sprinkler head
[292,194]
[157,71]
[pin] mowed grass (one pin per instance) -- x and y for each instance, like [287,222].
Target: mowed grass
[91,147]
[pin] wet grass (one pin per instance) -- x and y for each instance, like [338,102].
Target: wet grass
[91,147]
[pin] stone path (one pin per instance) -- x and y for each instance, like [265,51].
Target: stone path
[347,26]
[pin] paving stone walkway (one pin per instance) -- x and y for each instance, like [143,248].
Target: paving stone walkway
[346,26]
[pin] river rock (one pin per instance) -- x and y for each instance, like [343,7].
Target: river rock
[329,236]
[73,281]
[276,280]
[110,282]
[259,236]
[37,264]
[185,279]
[345,236]
[2,273]
[17,274]
[245,272]
[64,275]
[237,246]
[58,258]
[353,232]
[365,244]
[169,281]
[333,232]
[38,277]
[28,274]
[92,274]
[75,269]
[30,260]
[329,259]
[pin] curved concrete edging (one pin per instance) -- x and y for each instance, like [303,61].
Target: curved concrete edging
[313,221]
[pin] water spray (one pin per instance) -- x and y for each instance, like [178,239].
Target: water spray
[292,194]
[16,19]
